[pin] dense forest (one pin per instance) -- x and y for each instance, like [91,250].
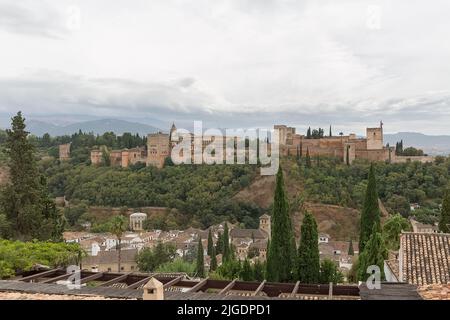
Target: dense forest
[203,193]
[329,181]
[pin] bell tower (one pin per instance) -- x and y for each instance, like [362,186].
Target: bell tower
[265,224]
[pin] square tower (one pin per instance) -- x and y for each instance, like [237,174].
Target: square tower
[374,138]
[158,149]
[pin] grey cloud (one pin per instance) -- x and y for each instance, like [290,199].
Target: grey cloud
[57,93]
[36,20]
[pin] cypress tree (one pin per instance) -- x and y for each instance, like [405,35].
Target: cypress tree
[308,159]
[374,253]
[347,156]
[30,211]
[370,215]
[213,264]
[444,222]
[281,255]
[226,251]
[298,153]
[308,251]
[308,133]
[351,252]
[219,244]
[301,149]
[330,132]
[210,243]
[200,267]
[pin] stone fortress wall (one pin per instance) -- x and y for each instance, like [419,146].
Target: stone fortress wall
[371,147]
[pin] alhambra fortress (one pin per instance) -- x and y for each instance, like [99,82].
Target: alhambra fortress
[345,147]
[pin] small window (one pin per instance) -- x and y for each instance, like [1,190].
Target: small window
[109,269]
[122,268]
[132,267]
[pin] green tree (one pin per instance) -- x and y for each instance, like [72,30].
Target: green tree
[246,272]
[308,159]
[258,271]
[347,156]
[118,227]
[177,265]
[213,263]
[444,222]
[399,204]
[374,253]
[370,215]
[329,272]
[330,132]
[5,227]
[392,229]
[200,266]
[219,243]
[229,270]
[281,255]
[210,243]
[25,199]
[351,251]
[226,250]
[308,251]
[19,256]
[149,259]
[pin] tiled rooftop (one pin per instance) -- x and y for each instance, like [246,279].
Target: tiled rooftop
[435,292]
[425,258]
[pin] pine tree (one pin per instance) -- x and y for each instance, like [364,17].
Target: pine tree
[226,250]
[308,159]
[444,222]
[308,251]
[210,243]
[213,264]
[200,266]
[370,215]
[351,252]
[281,254]
[30,211]
[374,253]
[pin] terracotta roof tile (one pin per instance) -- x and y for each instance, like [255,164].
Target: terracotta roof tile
[425,258]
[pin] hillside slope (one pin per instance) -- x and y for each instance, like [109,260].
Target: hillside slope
[339,222]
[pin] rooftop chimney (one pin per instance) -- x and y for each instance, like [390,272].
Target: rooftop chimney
[153,290]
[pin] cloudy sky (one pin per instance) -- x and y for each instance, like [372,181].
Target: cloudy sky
[230,62]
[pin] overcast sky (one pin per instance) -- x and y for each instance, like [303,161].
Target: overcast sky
[230,62]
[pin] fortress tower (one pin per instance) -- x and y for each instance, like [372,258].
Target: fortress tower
[157,149]
[375,138]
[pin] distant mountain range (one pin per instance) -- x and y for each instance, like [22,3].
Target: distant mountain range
[38,128]
[432,145]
